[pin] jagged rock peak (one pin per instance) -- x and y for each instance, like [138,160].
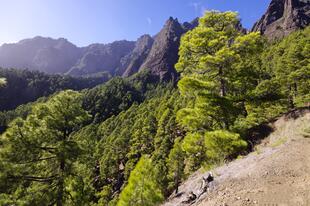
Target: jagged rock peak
[172,24]
[143,42]
[157,54]
[190,25]
[283,17]
[164,52]
[132,62]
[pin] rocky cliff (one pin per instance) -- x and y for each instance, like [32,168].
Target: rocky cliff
[132,62]
[283,17]
[164,53]
[100,58]
[158,54]
[43,54]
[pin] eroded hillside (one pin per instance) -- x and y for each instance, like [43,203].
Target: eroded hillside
[277,172]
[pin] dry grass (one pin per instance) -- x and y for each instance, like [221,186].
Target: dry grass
[306,132]
[279,142]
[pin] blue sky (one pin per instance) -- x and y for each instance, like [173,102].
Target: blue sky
[90,21]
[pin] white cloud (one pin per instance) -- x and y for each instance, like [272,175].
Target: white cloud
[149,20]
[196,5]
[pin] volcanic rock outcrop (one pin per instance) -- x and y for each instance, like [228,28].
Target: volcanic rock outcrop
[283,17]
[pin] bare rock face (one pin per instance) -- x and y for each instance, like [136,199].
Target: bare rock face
[39,53]
[132,62]
[156,54]
[190,25]
[283,17]
[98,58]
[164,53]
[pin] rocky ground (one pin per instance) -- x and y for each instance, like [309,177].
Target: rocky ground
[276,173]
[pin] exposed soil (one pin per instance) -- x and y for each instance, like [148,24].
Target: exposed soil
[276,173]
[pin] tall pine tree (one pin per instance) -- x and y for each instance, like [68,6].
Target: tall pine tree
[142,188]
[41,155]
[220,69]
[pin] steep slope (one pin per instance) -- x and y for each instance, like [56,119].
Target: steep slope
[164,53]
[283,17]
[119,58]
[25,86]
[43,54]
[132,62]
[99,58]
[276,173]
[60,56]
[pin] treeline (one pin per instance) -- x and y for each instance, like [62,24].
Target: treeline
[132,142]
[21,111]
[23,86]
[102,101]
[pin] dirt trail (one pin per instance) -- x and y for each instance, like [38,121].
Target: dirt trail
[277,172]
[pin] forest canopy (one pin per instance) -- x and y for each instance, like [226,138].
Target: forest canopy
[132,141]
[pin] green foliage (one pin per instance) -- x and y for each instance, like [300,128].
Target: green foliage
[110,99]
[220,67]
[221,144]
[236,81]
[119,94]
[42,157]
[195,149]
[136,132]
[23,86]
[142,188]
[132,141]
[176,165]
[258,113]
[288,63]
[306,132]
[21,111]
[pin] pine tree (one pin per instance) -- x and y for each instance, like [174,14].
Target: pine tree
[222,144]
[41,154]
[216,67]
[288,63]
[176,164]
[142,139]
[220,68]
[142,188]
[195,150]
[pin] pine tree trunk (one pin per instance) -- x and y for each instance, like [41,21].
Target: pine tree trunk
[222,83]
[244,109]
[176,187]
[295,90]
[61,184]
[176,182]
[60,192]
[223,93]
[290,98]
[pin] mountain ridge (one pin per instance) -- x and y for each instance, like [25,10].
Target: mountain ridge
[119,58]
[158,53]
[283,17]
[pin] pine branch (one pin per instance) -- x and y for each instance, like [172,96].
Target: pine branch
[35,179]
[37,160]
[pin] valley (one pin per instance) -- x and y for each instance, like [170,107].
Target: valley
[140,123]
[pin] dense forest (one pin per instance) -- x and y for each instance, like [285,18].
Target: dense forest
[23,86]
[132,141]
